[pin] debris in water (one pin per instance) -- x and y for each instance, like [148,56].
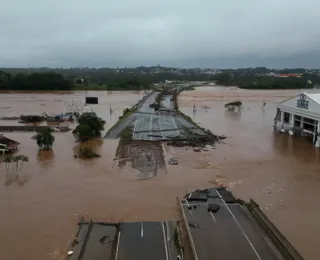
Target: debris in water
[173,161]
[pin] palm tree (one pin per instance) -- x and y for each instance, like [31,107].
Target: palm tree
[45,139]
[15,162]
[7,160]
[22,159]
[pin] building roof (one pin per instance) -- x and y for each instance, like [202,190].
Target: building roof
[314,96]
[8,142]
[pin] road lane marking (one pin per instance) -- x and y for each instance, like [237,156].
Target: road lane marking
[165,242]
[141,229]
[151,138]
[213,217]
[117,249]
[189,207]
[168,239]
[206,204]
[255,251]
[160,126]
[135,126]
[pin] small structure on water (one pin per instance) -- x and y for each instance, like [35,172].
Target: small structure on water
[300,115]
[31,118]
[231,106]
[7,145]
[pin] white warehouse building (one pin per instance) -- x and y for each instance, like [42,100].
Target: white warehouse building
[300,115]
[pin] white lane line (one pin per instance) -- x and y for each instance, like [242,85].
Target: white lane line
[206,204]
[135,126]
[175,125]
[117,249]
[188,207]
[141,229]
[160,126]
[151,138]
[165,241]
[213,217]
[255,251]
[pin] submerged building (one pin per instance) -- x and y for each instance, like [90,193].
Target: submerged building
[300,115]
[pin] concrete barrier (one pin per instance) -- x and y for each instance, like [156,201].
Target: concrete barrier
[283,245]
[193,247]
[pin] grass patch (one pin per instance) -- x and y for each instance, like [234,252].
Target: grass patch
[126,113]
[177,239]
[126,135]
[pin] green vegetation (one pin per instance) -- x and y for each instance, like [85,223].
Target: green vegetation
[262,81]
[177,239]
[45,139]
[34,81]
[15,163]
[126,134]
[142,78]
[89,127]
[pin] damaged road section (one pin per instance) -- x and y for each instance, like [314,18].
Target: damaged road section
[157,118]
[222,227]
[153,121]
[126,241]
[146,157]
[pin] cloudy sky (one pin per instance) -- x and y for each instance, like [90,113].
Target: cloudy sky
[183,33]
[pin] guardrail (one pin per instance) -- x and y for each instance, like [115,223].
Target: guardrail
[283,245]
[193,247]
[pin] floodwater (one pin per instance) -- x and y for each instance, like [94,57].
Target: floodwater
[40,208]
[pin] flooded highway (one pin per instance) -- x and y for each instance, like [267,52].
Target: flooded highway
[40,209]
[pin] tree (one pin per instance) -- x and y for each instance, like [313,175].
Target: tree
[15,163]
[90,126]
[45,139]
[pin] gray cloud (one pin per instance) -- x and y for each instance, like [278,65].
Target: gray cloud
[187,33]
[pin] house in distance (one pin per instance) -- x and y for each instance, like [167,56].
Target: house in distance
[300,115]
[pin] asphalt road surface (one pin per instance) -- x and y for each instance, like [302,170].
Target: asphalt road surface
[94,243]
[227,234]
[143,240]
[130,241]
[149,124]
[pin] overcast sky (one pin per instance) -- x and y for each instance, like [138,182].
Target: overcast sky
[183,33]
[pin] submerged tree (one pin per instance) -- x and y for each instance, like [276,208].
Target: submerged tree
[89,127]
[233,105]
[15,163]
[45,139]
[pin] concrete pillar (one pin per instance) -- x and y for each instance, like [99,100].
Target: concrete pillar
[291,120]
[281,121]
[301,123]
[282,117]
[317,144]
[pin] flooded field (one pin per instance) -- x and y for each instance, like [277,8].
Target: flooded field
[40,209]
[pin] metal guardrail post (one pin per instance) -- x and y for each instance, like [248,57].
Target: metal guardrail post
[193,247]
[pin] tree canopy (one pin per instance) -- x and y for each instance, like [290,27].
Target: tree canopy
[90,126]
[45,139]
[262,82]
[34,81]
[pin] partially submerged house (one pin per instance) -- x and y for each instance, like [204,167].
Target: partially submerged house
[7,145]
[300,115]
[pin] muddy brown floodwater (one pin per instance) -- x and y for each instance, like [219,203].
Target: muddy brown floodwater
[40,209]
